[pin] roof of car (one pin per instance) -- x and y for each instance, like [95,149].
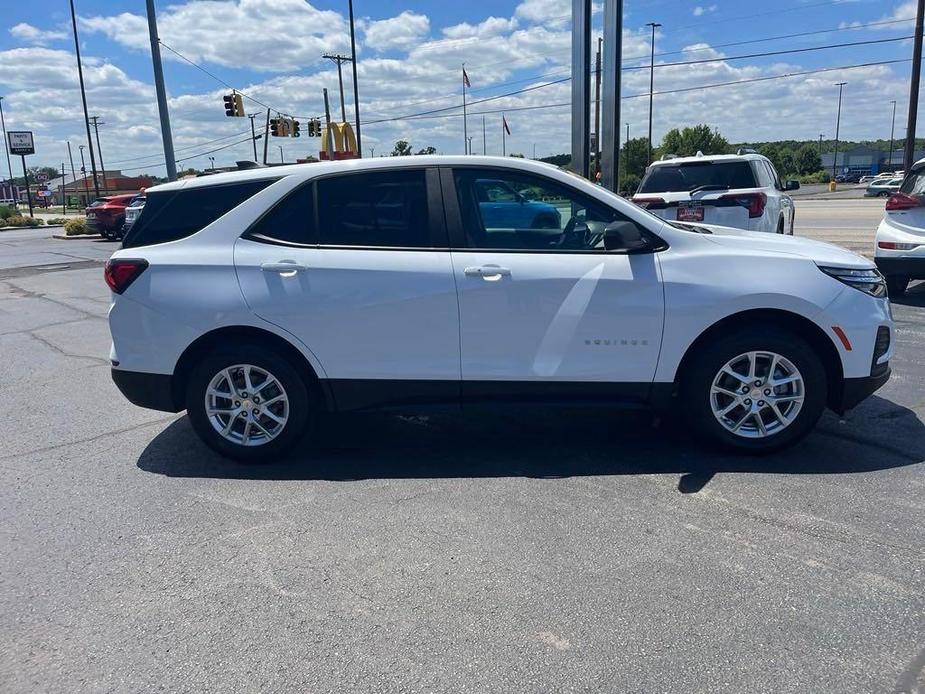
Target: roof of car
[328,167]
[751,156]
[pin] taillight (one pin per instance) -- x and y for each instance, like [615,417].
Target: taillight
[120,274]
[902,201]
[897,246]
[651,203]
[754,202]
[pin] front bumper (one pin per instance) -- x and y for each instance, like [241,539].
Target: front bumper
[855,390]
[909,266]
[153,391]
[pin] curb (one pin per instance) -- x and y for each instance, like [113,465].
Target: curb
[77,237]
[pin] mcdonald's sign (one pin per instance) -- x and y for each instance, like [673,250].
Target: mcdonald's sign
[344,144]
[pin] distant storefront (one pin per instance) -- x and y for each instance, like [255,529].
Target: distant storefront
[81,192]
[866,160]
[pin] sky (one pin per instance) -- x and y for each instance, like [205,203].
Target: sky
[409,58]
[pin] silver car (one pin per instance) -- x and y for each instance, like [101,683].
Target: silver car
[883,188]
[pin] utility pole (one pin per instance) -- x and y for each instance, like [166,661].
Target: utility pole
[892,133]
[340,60]
[469,145]
[266,138]
[83,98]
[281,160]
[466,140]
[597,108]
[484,139]
[254,135]
[63,191]
[327,124]
[611,74]
[70,157]
[99,150]
[821,135]
[6,146]
[914,87]
[356,92]
[170,159]
[83,171]
[534,151]
[654,26]
[840,86]
[25,175]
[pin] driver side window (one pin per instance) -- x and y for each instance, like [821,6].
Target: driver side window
[507,210]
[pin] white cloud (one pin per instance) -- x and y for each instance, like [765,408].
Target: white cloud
[543,10]
[30,34]
[398,32]
[701,10]
[492,26]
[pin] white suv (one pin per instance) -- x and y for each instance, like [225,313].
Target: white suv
[900,241]
[255,300]
[735,190]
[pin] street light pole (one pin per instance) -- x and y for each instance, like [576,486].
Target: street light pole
[99,150]
[161,91]
[892,133]
[356,93]
[83,171]
[254,135]
[83,98]
[821,135]
[212,162]
[281,160]
[654,26]
[840,86]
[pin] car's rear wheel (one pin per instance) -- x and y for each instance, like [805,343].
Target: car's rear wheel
[248,403]
[883,194]
[896,285]
[755,390]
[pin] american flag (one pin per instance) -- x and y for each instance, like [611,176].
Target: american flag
[466,79]
[504,122]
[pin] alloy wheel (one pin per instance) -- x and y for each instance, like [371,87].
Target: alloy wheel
[757,394]
[246,405]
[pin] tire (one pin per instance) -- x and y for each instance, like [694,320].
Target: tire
[793,222]
[795,356]
[883,194]
[896,285]
[780,226]
[294,407]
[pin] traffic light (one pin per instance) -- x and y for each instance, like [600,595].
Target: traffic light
[295,128]
[274,127]
[314,128]
[234,105]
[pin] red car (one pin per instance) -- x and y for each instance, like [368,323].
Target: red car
[106,215]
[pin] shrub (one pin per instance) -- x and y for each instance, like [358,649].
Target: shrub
[20,221]
[56,221]
[817,177]
[77,227]
[7,212]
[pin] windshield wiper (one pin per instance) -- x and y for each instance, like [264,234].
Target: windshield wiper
[707,186]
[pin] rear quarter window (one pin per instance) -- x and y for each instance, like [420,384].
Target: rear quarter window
[681,177]
[176,214]
[914,183]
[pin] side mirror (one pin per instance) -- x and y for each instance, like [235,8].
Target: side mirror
[792,185]
[624,236]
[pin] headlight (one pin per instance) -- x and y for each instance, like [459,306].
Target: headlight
[868,281]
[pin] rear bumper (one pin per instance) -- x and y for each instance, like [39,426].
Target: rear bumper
[153,391]
[856,390]
[913,267]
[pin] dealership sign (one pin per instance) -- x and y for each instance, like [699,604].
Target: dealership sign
[21,142]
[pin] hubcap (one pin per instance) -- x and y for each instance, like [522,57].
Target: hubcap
[247,405]
[757,394]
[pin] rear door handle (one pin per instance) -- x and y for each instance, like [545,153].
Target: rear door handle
[487,271]
[283,267]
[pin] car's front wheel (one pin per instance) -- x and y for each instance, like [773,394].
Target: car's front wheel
[248,403]
[754,390]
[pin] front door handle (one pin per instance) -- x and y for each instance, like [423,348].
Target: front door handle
[487,272]
[287,268]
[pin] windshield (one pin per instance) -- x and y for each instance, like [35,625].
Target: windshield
[99,202]
[688,176]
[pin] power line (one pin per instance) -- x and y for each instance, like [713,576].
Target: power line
[179,149]
[190,156]
[508,109]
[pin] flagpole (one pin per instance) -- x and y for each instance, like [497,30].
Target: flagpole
[465,124]
[503,141]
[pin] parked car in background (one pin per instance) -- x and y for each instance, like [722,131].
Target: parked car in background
[107,214]
[883,188]
[900,242]
[135,206]
[742,191]
[850,177]
[257,299]
[502,205]
[867,179]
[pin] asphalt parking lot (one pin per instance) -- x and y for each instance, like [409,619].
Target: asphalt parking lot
[530,551]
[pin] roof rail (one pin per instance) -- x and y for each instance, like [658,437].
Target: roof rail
[666,157]
[746,150]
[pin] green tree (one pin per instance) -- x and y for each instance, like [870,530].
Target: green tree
[635,153]
[427,150]
[689,141]
[774,152]
[516,155]
[402,149]
[557,159]
[808,160]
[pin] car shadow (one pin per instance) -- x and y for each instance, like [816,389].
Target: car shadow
[545,443]
[914,296]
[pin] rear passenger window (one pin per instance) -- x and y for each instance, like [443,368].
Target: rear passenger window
[291,220]
[378,209]
[176,214]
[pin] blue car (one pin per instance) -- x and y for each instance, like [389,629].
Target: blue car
[502,207]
